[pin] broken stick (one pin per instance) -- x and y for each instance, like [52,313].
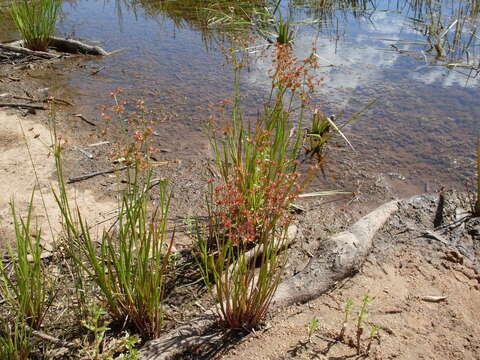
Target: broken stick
[23,106]
[93,174]
[80,116]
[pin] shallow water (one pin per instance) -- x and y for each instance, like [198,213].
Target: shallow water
[423,127]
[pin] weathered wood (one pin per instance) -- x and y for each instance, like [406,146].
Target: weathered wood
[346,252]
[23,106]
[178,341]
[76,47]
[69,46]
[25,51]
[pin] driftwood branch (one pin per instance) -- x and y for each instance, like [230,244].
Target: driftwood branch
[25,51]
[93,174]
[346,253]
[60,44]
[23,106]
[76,47]
[175,343]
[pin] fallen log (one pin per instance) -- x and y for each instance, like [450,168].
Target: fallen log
[76,47]
[69,46]
[25,51]
[343,255]
[347,251]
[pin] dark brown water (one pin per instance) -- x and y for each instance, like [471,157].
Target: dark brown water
[423,128]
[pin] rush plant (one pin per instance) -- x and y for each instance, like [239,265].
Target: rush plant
[129,263]
[15,340]
[285,34]
[322,128]
[27,289]
[35,20]
[318,134]
[242,251]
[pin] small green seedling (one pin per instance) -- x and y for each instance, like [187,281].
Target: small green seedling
[95,325]
[95,346]
[373,335]
[347,312]
[312,327]
[359,321]
[361,316]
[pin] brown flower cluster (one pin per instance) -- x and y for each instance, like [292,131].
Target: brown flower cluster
[251,213]
[289,72]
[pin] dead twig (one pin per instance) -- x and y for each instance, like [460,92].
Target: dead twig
[93,174]
[84,152]
[80,116]
[96,71]
[23,106]
[53,340]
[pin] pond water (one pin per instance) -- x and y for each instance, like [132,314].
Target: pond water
[423,128]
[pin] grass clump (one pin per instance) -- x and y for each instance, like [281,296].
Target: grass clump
[15,340]
[318,134]
[130,261]
[29,291]
[35,20]
[25,287]
[243,249]
[322,128]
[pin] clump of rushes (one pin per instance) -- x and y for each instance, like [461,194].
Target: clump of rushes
[129,263]
[28,289]
[285,35]
[15,340]
[35,20]
[25,287]
[323,127]
[318,134]
[242,249]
